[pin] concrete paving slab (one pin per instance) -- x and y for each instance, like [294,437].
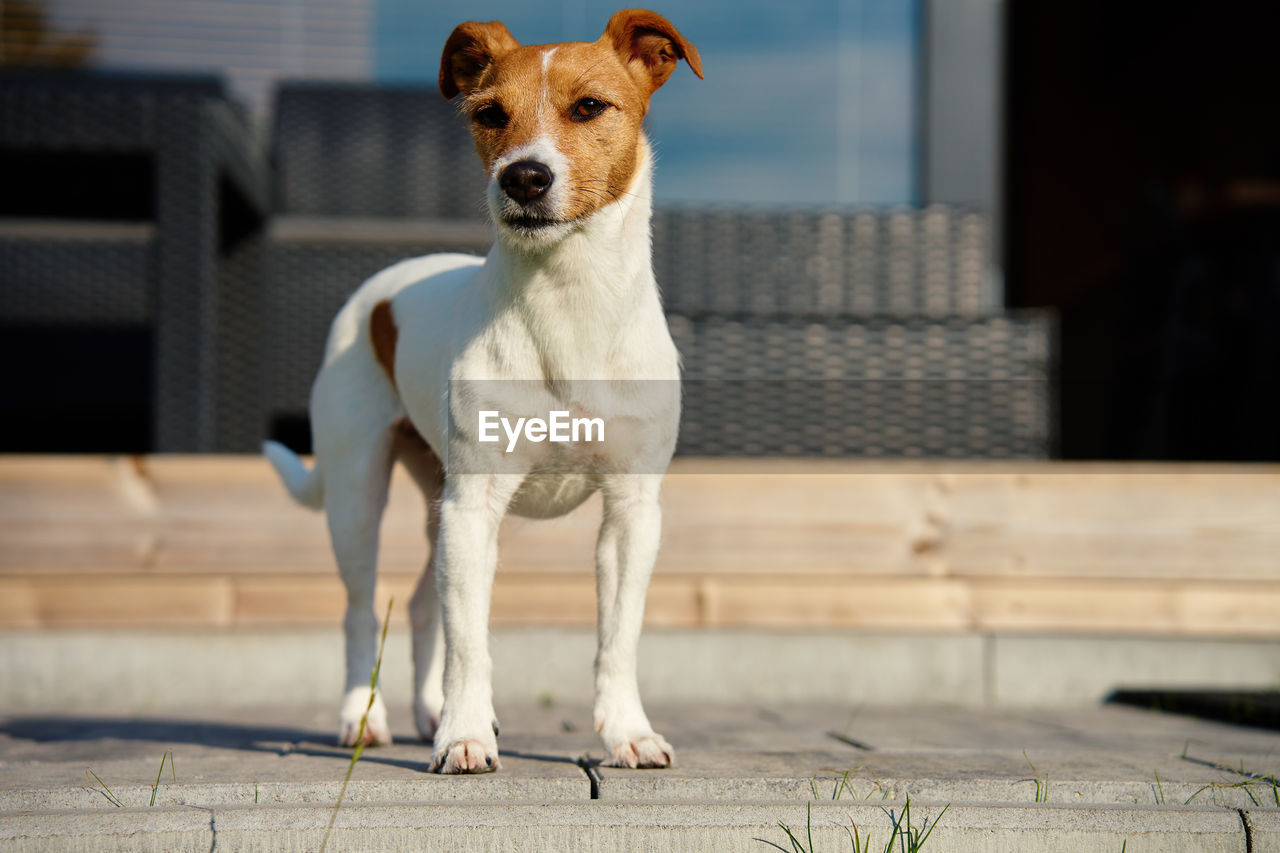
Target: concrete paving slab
[725,777]
[1108,727]
[379,777]
[953,777]
[1263,828]
[1112,755]
[635,828]
[746,726]
[1122,727]
[1075,780]
[262,755]
[267,779]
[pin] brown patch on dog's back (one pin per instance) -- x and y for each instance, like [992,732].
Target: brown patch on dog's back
[384,335]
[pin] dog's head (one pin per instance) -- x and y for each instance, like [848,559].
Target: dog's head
[558,126]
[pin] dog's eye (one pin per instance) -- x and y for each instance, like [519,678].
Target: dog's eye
[491,116]
[588,108]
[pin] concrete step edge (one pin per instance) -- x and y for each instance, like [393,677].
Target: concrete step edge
[632,827]
[1064,793]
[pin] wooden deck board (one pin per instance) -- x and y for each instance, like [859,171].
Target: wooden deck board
[213,540]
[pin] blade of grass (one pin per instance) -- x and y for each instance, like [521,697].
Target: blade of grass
[1196,794]
[795,842]
[930,829]
[1218,787]
[844,783]
[856,839]
[1042,786]
[364,720]
[159,773]
[893,833]
[106,792]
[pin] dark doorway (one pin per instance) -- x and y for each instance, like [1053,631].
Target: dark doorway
[76,389]
[1143,201]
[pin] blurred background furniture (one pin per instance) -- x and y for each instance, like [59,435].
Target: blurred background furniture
[901,261]
[803,332]
[366,176]
[865,386]
[854,332]
[128,242]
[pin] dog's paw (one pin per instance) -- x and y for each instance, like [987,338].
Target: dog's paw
[376,730]
[465,756]
[651,750]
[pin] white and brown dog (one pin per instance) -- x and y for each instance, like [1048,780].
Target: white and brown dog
[564,307]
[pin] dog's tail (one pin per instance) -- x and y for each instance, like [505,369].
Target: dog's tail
[306,487]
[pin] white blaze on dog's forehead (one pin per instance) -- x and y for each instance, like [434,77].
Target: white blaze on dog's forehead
[544,90]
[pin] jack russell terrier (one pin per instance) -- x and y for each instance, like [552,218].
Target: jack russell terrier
[563,314]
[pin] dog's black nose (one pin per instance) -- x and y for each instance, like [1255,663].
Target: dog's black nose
[525,181]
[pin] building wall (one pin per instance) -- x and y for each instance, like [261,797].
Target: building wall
[251,42]
[962,102]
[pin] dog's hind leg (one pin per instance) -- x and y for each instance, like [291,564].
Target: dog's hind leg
[424,608]
[353,440]
[355,496]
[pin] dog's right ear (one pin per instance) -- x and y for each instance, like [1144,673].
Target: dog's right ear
[649,46]
[471,48]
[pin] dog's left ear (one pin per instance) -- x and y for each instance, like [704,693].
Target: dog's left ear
[472,47]
[649,46]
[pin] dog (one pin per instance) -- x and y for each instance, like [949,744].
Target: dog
[563,313]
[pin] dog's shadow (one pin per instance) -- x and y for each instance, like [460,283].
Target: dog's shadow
[275,740]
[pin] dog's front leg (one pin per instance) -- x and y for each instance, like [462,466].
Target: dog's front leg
[473,505]
[625,554]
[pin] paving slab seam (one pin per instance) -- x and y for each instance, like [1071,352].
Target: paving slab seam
[1248,830]
[593,775]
